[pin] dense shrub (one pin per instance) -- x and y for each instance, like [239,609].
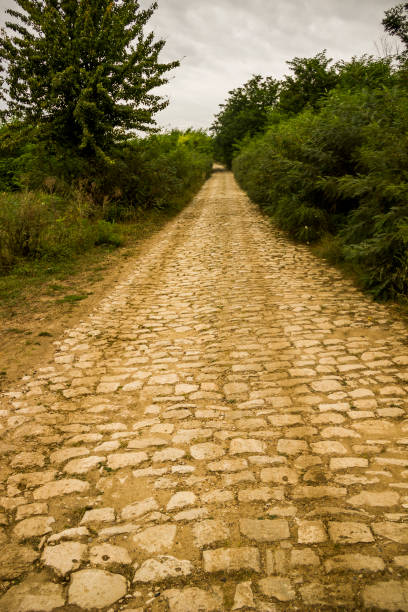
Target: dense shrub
[51,209]
[340,174]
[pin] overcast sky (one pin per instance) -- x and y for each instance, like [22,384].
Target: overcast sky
[221,43]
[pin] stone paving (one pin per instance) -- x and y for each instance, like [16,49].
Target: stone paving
[226,431]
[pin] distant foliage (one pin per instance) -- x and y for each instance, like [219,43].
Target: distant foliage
[311,79]
[395,23]
[243,115]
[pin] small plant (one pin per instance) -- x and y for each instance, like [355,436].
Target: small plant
[72,299]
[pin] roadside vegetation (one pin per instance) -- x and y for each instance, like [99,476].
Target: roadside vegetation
[328,158]
[82,164]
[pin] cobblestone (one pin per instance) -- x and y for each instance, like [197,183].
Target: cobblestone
[232,413]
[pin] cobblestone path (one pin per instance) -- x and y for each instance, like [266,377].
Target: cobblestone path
[226,431]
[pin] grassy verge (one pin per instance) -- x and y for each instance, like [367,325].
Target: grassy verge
[56,279]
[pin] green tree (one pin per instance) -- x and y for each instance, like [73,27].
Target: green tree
[83,71]
[395,23]
[245,113]
[312,78]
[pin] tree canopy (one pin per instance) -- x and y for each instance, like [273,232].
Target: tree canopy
[244,114]
[395,23]
[83,71]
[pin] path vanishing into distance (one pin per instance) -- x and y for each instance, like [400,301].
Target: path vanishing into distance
[226,431]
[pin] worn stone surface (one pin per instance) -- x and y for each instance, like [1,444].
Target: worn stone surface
[231,403]
[156,539]
[33,527]
[210,532]
[108,554]
[181,500]
[264,530]
[387,595]
[64,558]
[192,598]
[392,531]
[162,568]
[243,597]
[277,588]
[99,515]
[95,588]
[231,559]
[311,532]
[304,557]
[356,562]
[206,450]
[350,533]
[33,595]
[138,509]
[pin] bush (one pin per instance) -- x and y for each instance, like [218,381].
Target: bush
[340,171]
[58,216]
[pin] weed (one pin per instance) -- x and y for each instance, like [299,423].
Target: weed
[71,299]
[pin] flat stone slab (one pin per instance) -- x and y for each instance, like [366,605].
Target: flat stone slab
[123,460]
[355,563]
[388,595]
[95,588]
[192,598]
[232,559]
[318,492]
[156,539]
[244,597]
[397,532]
[98,515]
[228,465]
[375,499]
[147,442]
[61,487]
[181,499]
[210,532]
[138,509]
[350,533]
[245,445]
[206,451]
[264,530]
[108,554]
[64,558]
[33,594]
[311,532]
[304,557]
[33,527]
[279,475]
[84,465]
[168,454]
[292,447]
[278,588]
[162,568]
[329,447]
